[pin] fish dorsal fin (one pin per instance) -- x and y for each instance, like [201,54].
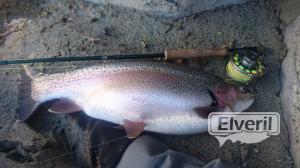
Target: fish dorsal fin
[133,129]
[64,105]
[203,112]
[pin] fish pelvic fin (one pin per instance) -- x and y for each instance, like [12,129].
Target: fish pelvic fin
[133,128]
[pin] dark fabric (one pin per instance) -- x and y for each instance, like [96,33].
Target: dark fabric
[147,152]
[219,163]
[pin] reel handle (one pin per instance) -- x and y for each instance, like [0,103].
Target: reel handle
[171,54]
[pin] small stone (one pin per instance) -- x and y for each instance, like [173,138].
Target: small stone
[143,44]
[255,150]
[94,20]
[180,61]
[219,33]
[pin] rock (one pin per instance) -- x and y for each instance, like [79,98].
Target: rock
[5,162]
[289,10]
[7,3]
[290,93]
[28,137]
[171,8]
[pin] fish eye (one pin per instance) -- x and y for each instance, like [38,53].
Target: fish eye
[247,90]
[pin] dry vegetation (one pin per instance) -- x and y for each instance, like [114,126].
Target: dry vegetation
[6,4]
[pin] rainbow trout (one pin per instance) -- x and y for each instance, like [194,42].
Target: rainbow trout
[155,97]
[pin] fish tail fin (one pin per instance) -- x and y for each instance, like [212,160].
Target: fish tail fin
[26,105]
[30,72]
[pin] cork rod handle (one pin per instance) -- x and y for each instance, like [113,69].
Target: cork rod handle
[195,53]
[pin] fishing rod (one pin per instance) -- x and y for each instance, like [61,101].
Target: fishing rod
[74,58]
[170,54]
[243,66]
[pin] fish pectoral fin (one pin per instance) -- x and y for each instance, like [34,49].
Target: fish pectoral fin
[203,112]
[133,129]
[64,106]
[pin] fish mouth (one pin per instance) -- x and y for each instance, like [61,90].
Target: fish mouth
[237,98]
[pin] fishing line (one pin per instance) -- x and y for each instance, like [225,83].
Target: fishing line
[78,151]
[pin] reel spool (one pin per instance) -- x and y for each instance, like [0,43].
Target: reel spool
[244,66]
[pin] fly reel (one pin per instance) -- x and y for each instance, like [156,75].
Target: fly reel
[244,65]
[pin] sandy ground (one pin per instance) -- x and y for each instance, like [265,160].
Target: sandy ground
[63,28]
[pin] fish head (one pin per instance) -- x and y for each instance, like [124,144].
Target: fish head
[237,98]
